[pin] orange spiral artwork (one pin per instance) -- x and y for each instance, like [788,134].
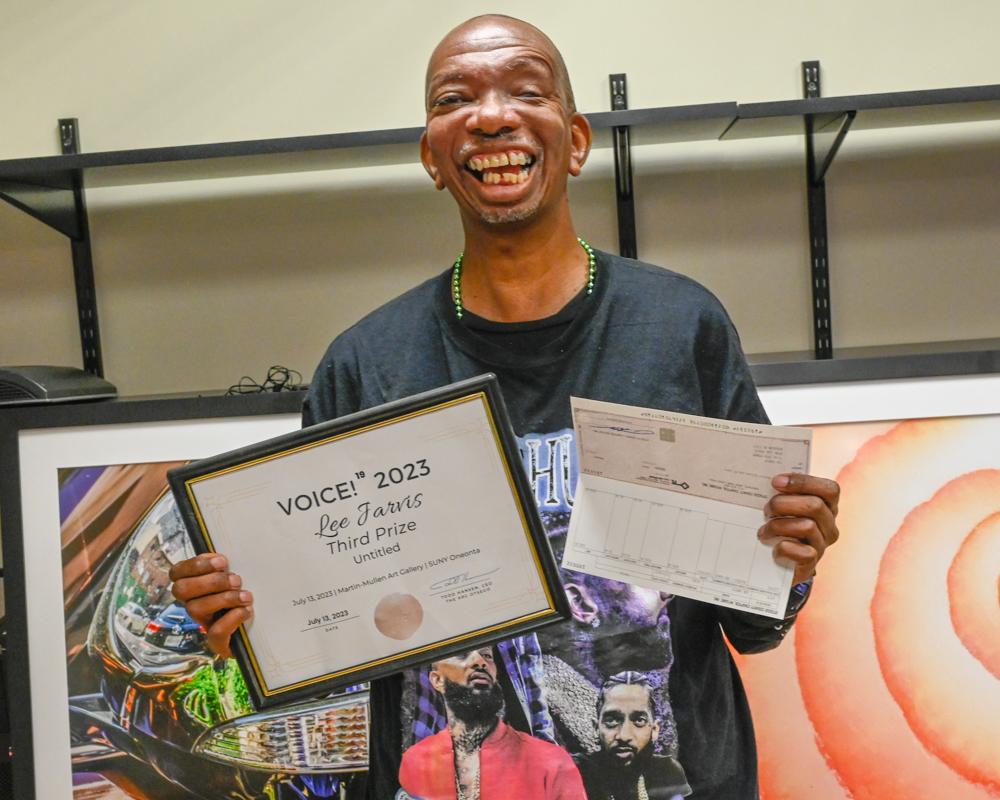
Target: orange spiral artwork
[889,685]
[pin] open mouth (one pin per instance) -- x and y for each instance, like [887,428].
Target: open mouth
[623,753]
[512,167]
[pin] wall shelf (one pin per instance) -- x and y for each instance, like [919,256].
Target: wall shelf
[887,110]
[924,360]
[324,151]
[50,188]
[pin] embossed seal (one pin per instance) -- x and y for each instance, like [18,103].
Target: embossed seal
[398,616]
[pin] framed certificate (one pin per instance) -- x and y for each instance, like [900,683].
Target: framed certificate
[376,541]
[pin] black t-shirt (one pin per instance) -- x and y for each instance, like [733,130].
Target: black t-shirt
[647,337]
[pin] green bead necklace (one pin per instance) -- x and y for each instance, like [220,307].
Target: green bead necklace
[456,276]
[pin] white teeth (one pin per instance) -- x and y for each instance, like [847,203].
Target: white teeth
[513,158]
[506,177]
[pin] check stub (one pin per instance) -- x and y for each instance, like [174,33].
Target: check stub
[673,502]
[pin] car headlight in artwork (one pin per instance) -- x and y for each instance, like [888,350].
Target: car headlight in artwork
[319,737]
[147,627]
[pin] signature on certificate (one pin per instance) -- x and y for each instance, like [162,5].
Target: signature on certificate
[461,579]
[623,429]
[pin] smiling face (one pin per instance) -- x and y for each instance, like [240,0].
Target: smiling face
[502,134]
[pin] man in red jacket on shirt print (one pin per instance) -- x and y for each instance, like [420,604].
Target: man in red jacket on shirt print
[492,760]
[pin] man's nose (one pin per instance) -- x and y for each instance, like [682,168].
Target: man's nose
[476,660]
[626,733]
[494,115]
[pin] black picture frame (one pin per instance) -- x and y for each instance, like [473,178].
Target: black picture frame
[132,417]
[183,480]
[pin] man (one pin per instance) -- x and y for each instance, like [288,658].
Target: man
[528,300]
[625,767]
[491,760]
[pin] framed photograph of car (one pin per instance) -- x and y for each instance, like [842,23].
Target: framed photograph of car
[114,694]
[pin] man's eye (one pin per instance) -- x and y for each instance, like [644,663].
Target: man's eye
[447,100]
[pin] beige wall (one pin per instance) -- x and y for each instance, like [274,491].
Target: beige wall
[202,282]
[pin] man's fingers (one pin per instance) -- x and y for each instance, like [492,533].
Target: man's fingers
[801,557]
[204,609]
[199,565]
[213,597]
[189,589]
[815,499]
[800,483]
[803,515]
[221,631]
[803,529]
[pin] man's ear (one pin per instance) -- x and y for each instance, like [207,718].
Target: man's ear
[437,681]
[583,607]
[427,159]
[581,137]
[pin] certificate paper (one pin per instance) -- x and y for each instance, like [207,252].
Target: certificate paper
[376,541]
[673,502]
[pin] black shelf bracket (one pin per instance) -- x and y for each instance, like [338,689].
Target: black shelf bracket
[623,170]
[819,256]
[83,262]
[821,158]
[51,205]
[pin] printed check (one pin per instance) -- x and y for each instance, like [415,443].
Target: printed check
[673,502]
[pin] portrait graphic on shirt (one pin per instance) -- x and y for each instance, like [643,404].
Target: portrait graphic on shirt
[556,684]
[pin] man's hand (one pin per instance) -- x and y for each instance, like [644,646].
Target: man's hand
[804,513]
[213,597]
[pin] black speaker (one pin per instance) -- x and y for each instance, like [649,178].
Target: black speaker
[47,384]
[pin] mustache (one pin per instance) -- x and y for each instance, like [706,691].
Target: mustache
[481,673]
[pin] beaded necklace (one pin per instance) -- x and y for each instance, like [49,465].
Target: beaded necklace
[456,276]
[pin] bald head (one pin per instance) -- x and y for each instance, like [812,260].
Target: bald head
[494,32]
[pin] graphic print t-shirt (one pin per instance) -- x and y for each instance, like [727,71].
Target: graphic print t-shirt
[552,678]
[645,337]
